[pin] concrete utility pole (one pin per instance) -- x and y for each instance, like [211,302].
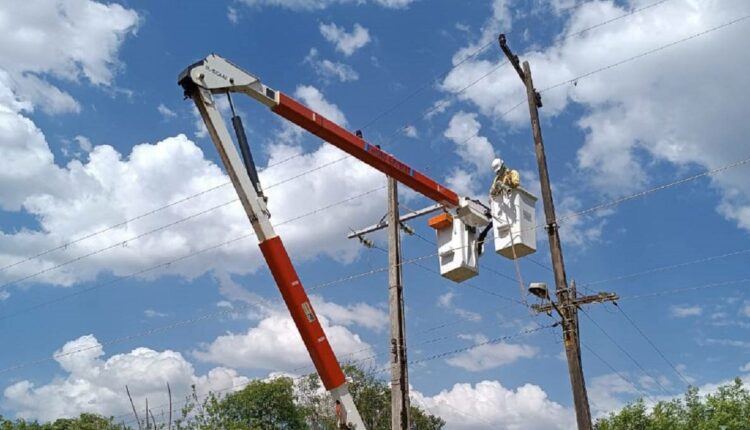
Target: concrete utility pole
[567,302]
[399,370]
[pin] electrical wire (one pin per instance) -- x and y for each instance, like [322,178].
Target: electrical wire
[184,257]
[427,84]
[124,243]
[668,267]
[685,290]
[617,18]
[646,53]
[129,220]
[653,345]
[384,369]
[624,351]
[616,372]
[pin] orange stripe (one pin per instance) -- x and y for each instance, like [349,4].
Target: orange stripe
[302,313]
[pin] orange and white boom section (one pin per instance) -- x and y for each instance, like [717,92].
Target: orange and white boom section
[458,235]
[217,76]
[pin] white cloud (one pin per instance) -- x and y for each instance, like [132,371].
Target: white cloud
[682,311]
[69,38]
[233,15]
[500,22]
[491,355]
[725,342]
[463,131]
[275,343]
[97,385]
[83,197]
[328,69]
[4,295]
[310,5]
[745,368]
[345,42]
[411,131]
[74,39]
[84,143]
[360,314]
[610,392]
[166,112]
[315,100]
[462,182]
[150,313]
[628,133]
[445,301]
[488,404]
[395,4]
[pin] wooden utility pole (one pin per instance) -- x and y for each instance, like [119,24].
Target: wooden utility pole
[565,306]
[399,370]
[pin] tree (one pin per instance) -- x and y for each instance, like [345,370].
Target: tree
[260,405]
[728,408]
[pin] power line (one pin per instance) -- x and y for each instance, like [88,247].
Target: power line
[426,85]
[465,283]
[684,290]
[669,267]
[646,53]
[129,220]
[124,242]
[419,361]
[616,372]
[617,18]
[624,351]
[644,193]
[184,257]
[653,345]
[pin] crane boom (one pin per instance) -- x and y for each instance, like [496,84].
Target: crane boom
[215,75]
[360,149]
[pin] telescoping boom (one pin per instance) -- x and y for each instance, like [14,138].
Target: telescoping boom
[215,75]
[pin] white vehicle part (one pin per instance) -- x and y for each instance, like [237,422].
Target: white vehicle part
[472,213]
[514,223]
[457,250]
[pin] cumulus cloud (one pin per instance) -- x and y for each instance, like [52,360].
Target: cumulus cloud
[83,197]
[68,38]
[276,344]
[95,384]
[328,69]
[492,355]
[314,99]
[473,149]
[488,404]
[346,42]
[627,130]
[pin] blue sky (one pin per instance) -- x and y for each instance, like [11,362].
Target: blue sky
[95,132]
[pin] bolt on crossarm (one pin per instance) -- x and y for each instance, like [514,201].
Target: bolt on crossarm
[568,310]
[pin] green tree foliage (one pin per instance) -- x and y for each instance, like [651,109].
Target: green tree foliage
[283,404]
[277,404]
[84,422]
[726,409]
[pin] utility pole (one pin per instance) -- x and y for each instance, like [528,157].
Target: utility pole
[567,302]
[399,370]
